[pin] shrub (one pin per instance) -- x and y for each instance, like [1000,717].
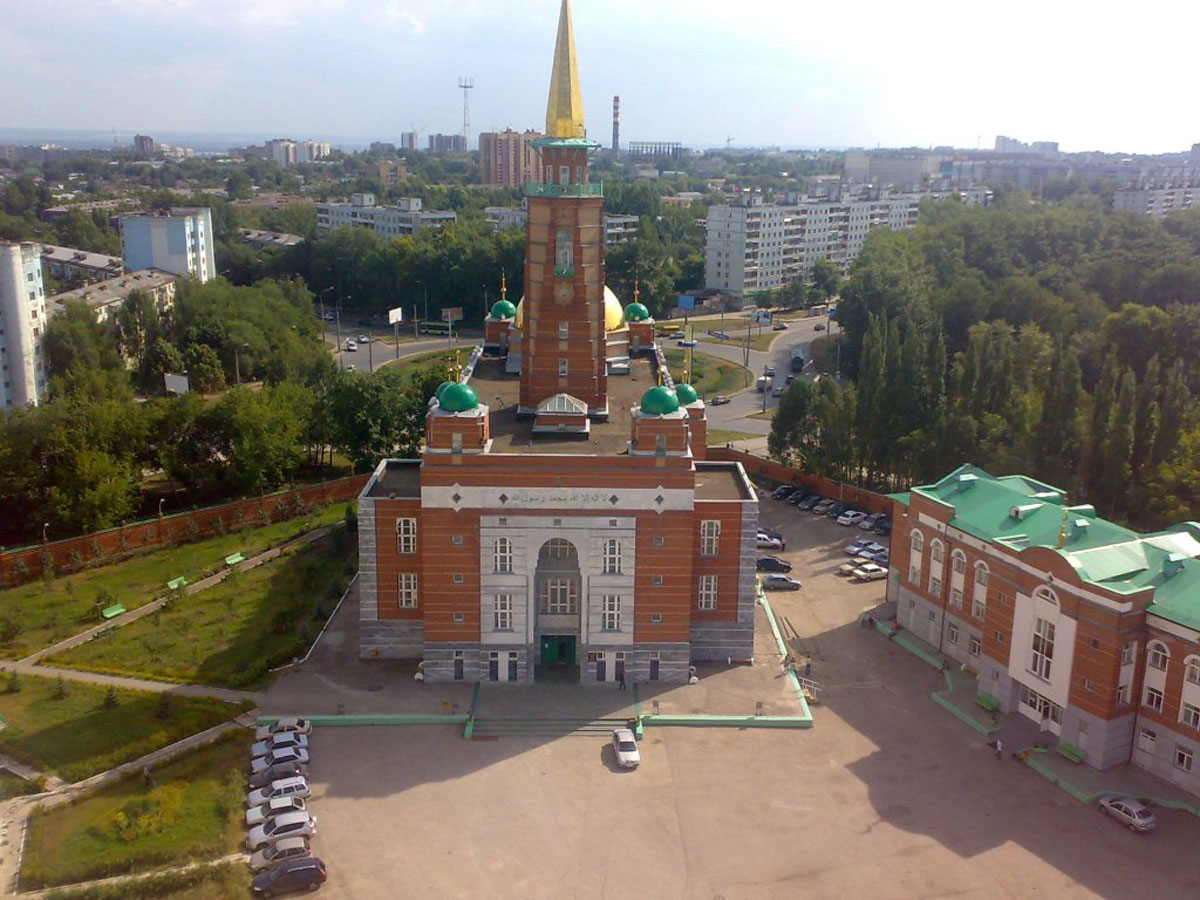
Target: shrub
[14,682]
[75,558]
[110,700]
[60,689]
[47,560]
[162,706]
[351,519]
[10,628]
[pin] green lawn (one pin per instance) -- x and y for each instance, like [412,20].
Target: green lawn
[49,611]
[722,436]
[76,736]
[444,359]
[193,811]
[232,633]
[15,786]
[710,375]
[228,881]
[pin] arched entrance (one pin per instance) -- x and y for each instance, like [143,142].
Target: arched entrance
[558,587]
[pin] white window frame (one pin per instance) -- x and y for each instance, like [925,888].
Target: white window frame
[956,598]
[560,596]
[708,592]
[1153,699]
[952,634]
[564,331]
[1129,653]
[562,368]
[710,537]
[1042,660]
[958,562]
[1191,669]
[937,552]
[1189,715]
[502,613]
[1183,758]
[978,604]
[407,596]
[406,536]
[612,557]
[981,574]
[914,575]
[1157,656]
[916,542]
[1147,740]
[502,555]
[974,645]
[611,612]
[935,584]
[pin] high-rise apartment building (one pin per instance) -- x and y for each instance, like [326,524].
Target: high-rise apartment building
[143,145]
[286,152]
[1157,202]
[507,158]
[447,143]
[22,324]
[179,241]
[408,140]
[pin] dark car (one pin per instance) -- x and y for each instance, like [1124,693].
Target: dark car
[799,497]
[772,564]
[883,526]
[810,501]
[783,492]
[771,532]
[276,772]
[290,877]
[837,509]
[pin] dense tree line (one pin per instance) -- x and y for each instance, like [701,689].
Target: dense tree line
[1057,341]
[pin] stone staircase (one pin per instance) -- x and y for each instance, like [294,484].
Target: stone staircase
[496,727]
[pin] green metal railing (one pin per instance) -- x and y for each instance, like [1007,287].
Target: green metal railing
[546,189]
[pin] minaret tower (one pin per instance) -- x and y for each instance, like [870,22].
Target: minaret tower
[563,322]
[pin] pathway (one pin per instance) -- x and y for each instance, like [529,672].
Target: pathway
[121,879]
[138,684]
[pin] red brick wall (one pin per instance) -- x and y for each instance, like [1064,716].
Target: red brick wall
[391,562]
[674,599]
[767,468]
[725,565]
[103,546]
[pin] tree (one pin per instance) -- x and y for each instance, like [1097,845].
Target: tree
[1117,447]
[825,279]
[204,369]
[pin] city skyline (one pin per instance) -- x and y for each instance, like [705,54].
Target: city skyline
[763,74]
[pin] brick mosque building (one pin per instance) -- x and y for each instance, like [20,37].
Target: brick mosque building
[562,520]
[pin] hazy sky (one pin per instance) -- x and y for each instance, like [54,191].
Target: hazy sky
[1089,75]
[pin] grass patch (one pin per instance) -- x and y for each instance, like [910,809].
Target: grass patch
[49,611]
[75,735]
[427,362]
[758,341]
[766,416]
[722,436]
[710,374]
[192,811]
[231,634]
[13,785]
[228,881]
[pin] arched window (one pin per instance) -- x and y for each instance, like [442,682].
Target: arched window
[563,252]
[1157,655]
[612,557]
[918,541]
[936,552]
[502,555]
[981,574]
[1191,669]
[558,548]
[958,560]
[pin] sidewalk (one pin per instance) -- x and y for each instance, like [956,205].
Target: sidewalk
[1087,785]
[229,695]
[137,876]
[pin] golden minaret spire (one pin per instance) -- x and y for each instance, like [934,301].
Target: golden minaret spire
[564,111]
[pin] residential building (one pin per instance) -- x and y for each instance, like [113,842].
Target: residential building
[755,246]
[22,324]
[105,297]
[903,170]
[573,529]
[408,140]
[388,172]
[1088,629]
[287,152]
[406,217]
[143,145]
[617,228]
[507,158]
[448,143]
[1157,202]
[382,148]
[258,238]
[179,241]
[68,264]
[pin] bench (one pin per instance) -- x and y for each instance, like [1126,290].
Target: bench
[234,559]
[176,584]
[1070,751]
[988,702]
[113,611]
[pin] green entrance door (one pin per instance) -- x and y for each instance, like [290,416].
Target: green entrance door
[558,650]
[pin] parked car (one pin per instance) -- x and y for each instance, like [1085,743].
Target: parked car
[720,400]
[280,741]
[284,787]
[856,547]
[287,723]
[350,346]
[273,854]
[766,542]
[772,564]
[292,824]
[820,326]
[277,772]
[851,517]
[809,502]
[884,559]
[783,492]
[328,317]
[1133,815]
[625,748]
[872,549]
[780,583]
[677,333]
[846,569]
[823,507]
[771,532]
[276,806]
[779,326]
[285,755]
[869,572]
[869,522]
[883,526]
[798,498]
[290,877]
[837,509]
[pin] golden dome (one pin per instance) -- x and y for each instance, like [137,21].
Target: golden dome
[614,315]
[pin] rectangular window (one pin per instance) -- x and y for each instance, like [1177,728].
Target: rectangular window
[656,580]
[1043,649]
[1154,699]
[956,598]
[710,537]
[660,541]
[981,575]
[978,604]
[1123,695]
[1147,739]
[952,634]
[1128,653]
[503,619]
[974,646]
[1089,685]
[456,443]
[406,535]
[1190,716]
[408,590]
[612,612]
[1157,658]
[502,555]
[612,557]
[999,638]
[562,368]
[1192,671]
[914,575]
[458,578]
[457,540]
[708,592]
[1183,758]
[560,596]
[935,585]
[564,331]
[960,565]
[655,618]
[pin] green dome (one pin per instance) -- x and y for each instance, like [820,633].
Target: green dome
[502,309]
[458,398]
[659,401]
[636,312]
[686,394]
[441,389]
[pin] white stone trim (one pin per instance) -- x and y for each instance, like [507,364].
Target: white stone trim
[518,499]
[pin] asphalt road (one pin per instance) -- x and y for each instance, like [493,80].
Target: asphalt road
[374,355]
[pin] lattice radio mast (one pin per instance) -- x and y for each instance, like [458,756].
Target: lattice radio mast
[465,84]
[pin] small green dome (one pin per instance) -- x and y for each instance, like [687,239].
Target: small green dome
[636,312]
[441,389]
[686,394]
[458,398]
[503,309]
[659,401]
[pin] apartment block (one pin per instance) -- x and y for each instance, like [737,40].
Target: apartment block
[1157,202]
[22,325]
[179,241]
[405,218]
[507,158]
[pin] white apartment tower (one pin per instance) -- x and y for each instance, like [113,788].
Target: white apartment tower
[22,324]
[179,241]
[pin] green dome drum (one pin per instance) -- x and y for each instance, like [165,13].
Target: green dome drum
[636,312]
[458,398]
[660,401]
[503,309]
[686,394]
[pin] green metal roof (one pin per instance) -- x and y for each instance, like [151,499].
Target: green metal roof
[458,398]
[1019,512]
[686,394]
[660,401]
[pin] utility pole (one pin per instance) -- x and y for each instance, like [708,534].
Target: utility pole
[465,84]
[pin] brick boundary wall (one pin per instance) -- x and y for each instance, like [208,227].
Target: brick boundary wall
[767,468]
[23,564]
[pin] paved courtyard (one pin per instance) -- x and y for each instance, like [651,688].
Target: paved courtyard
[887,796]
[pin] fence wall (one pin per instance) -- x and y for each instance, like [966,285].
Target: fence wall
[27,563]
[768,468]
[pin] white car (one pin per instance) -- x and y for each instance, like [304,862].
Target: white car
[284,787]
[766,542]
[273,854]
[276,806]
[292,824]
[364,339]
[281,741]
[626,748]
[857,547]
[287,723]
[285,755]
[851,518]
[869,572]
[350,346]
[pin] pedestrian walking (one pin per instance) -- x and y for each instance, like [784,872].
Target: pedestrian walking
[807,667]
[999,748]
[621,681]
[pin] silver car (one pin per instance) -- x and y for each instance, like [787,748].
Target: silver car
[625,748]
[273,854]
[275,757]
[276,806]
[285,724]
[280,741]
[284,787]
[290,824]
[1130,813]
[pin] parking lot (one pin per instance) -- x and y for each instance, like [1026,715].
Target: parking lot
[886,796]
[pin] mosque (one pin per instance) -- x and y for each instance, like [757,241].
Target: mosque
[562,522]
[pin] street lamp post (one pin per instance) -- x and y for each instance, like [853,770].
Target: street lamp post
[321,301]
[237,364]
[161,501]
[45,526]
